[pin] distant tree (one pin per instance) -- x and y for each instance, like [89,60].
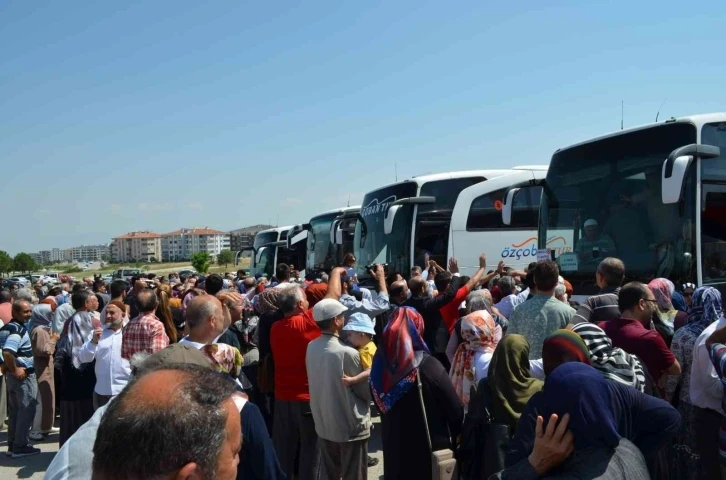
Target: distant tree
[24,263]
[6,263]
[153,260]
[225,257]
[106,258]
[201,261]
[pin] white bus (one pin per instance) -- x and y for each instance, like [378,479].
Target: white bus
[400,223]
[329,238]
[270,248]
[657,194]
[477,227]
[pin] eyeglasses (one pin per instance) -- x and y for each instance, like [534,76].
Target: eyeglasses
[649,300]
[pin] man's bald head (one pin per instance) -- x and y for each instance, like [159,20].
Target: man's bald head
[146,301]
[398,291]
[417,286]
[169,420]
[201,310]
[249,283]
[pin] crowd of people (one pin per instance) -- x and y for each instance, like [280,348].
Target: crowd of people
[239,376]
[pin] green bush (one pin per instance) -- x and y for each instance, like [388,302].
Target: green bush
[73,270]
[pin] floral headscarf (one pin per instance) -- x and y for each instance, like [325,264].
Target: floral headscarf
[267,300]
[478,332]
[400,352]
[663,289]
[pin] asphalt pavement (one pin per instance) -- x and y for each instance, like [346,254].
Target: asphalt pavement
[34,467]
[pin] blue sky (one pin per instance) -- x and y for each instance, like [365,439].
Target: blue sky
[120,116]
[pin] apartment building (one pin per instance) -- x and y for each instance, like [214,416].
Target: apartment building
[142,246]
[183,243]
[244,237]
[89,253]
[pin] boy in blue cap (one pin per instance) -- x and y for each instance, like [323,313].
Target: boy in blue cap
[360,330]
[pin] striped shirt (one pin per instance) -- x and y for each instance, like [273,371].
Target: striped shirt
[14,338]
[599,308]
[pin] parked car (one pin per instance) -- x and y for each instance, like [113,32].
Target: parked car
[20,281]
[188,272]
[108,278]
[126,273]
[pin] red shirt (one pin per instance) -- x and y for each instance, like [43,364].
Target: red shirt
[450,311]
[648,345]
[144,334]
[289,340]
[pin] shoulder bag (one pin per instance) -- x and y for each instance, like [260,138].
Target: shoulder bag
[443,463]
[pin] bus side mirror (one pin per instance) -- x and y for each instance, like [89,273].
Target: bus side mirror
[676,166]
[507,205]
[390,217]
[258,257]
[336,233]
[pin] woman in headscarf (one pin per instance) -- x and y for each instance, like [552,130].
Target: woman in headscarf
[706,309]
[471,362]
[402,360]
[665,316]
[563,346]
[477,300]
[614,363]
[679,303]
[601,414]
[510,380]
[42,343]
[316,292]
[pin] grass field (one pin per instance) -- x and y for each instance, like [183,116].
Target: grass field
[157,268]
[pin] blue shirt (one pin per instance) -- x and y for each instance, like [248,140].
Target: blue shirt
[14,338]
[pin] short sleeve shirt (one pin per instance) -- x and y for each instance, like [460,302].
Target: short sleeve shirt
[14,338]
[648,345]
[366,353]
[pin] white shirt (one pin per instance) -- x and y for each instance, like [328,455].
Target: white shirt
[481,365]
[112,371]
[705,389]
[196,345]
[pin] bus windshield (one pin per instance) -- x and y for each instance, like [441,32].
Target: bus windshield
[377,247]
[321,253]
[262,239]
[603,199]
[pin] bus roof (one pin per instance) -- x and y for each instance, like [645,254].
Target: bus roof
[276,229]
[432,177]
[696,120]
[338,211]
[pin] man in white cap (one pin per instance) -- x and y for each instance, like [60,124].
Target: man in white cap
[594,246]
[342,414]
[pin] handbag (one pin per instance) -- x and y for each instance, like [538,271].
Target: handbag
[443,463]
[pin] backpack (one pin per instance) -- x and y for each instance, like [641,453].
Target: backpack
[484,442]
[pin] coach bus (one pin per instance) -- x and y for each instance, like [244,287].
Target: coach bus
[654,196]
[477,226]
[329,237]
[271,247]
[402,224]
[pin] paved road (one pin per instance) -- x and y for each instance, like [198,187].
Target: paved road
[34,467]
[30,467]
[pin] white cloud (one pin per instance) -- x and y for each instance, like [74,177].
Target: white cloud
[116,207]
[43,212]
